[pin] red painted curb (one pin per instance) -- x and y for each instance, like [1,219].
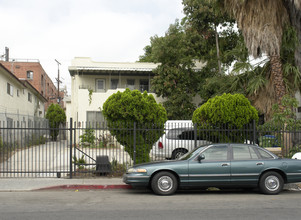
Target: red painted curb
[87,187]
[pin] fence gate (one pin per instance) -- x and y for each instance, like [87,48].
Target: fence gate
[27,150]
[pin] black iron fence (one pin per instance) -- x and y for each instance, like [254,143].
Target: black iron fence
[84,149]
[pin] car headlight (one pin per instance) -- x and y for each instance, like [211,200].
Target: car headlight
[137,170]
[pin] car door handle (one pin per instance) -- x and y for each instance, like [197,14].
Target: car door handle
[225,164]
[259,163]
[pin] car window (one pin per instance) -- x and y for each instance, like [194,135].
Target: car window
[216,153]
[264,154]
[180,134]
[243,152]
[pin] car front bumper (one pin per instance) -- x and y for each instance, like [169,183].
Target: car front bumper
[136,179]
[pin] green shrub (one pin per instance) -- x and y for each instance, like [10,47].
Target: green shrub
[124,109]
[88,137]
[225,112]
[56,116]
[79,162]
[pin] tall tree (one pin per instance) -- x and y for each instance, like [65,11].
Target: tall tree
[205,17]
[294,11]
[262,23]
[175,79]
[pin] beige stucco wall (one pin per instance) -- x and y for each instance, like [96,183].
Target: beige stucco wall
[80,96]
[81,83]
[17,103]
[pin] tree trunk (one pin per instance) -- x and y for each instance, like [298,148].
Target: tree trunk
[277,79]
[217,52]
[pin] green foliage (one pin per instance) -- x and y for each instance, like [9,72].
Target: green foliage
[56,116]
[285,118]
[36,140]
[123,109]
[291,73]
[80,162]
[88,137]
[117,168]
[282,123]
[175,79]
[226,112]
[90,95]
[194,39]
[202,19]
[235,110]
[1,143]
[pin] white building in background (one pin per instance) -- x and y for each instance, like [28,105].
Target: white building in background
[93,82]
[19,100]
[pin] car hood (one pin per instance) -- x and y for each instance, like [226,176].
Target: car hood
[159,163]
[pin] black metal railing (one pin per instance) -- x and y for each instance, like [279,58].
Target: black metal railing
[85,149]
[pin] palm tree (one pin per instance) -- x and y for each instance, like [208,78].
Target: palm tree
[294,11]
[262,23]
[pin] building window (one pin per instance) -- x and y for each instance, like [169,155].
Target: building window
[9,122]
[29,74]
[29,97]
[100,85]
[144,85]
[130,83]
[42,83]
[10,89]
[18,92]
[299,109]
[94,118]
[114,83]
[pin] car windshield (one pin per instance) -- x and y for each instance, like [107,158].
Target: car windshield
[191,154]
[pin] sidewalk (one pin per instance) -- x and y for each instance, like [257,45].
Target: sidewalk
[30,184]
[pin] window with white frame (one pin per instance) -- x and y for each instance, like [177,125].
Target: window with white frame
[10,89]
[114,83]
[100,85]
[130,83]
[29,74]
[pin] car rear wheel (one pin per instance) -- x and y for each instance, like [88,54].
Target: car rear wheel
[271,183]
[178,153]
[164,183]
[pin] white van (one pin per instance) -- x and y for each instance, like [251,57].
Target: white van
[179,138]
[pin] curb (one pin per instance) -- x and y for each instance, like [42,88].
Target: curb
[85,187]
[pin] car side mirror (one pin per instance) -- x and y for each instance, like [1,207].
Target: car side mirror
[201,157]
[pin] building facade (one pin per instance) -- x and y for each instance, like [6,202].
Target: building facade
[93,82]
[18,98]
[33,72]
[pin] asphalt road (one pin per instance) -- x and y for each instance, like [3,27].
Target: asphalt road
[142,204]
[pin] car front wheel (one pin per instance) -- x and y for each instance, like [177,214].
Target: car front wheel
[271,183]
[164,183]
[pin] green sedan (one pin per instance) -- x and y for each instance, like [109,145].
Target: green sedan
[218,165]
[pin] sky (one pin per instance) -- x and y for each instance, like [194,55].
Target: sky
[105,30]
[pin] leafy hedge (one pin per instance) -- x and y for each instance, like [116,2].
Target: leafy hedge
[227,112]
[123,109]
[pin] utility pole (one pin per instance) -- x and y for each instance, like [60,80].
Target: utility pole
[58,81]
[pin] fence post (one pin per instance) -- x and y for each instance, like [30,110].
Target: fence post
[134,156]
[254,132]
[195,135]
[71,143]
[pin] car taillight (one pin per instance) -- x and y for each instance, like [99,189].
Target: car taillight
[160,145]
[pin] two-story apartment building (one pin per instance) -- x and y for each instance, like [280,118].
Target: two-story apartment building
[33,72]
[93,82]
[18,98]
